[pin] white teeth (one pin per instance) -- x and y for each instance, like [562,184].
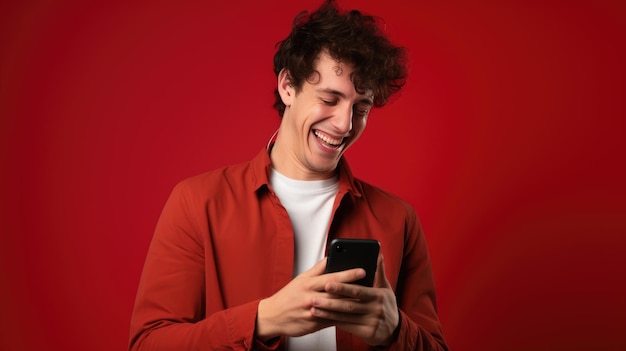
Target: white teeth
[327,140]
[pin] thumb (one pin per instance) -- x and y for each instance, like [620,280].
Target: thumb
[380,279]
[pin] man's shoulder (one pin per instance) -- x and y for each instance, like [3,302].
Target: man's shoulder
[219,174]
[385,208]
[231,178]
[379,197]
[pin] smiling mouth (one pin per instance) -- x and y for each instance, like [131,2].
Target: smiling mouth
[327,141]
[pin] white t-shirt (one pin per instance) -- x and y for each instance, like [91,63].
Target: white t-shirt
[309,205]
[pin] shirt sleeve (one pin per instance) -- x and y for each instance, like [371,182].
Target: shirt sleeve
[169,311]
[420,329]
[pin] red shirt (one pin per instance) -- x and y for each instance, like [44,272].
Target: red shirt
[224,242]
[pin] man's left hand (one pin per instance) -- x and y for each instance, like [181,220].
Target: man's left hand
[369,313]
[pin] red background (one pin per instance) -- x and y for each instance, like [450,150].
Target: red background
[508,140]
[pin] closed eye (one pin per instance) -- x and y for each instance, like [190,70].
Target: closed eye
[361,110]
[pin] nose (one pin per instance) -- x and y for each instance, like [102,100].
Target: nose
[342,121]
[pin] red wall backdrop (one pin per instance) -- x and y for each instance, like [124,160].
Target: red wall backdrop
[508,140]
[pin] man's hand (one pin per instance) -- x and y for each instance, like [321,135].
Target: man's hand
[369,313]
[289,312]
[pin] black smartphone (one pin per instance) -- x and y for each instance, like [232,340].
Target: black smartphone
[346,254]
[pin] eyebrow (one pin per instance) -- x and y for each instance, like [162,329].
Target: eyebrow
[365,100]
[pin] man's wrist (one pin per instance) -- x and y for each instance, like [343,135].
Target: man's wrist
[393,337]
[265,330]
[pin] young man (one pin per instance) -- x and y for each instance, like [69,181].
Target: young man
[237,259]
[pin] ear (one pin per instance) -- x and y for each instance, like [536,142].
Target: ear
[285,87]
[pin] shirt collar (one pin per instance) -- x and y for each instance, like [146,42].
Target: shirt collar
[261,166]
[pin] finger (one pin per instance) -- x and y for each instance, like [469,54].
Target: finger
[323,306]
[347,276]
[317,269]
[338,317]
[380,278]
[358,316]
[352,291]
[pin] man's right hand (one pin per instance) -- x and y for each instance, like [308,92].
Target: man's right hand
[289,311]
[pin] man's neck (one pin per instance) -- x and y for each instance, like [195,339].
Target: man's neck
[287,164]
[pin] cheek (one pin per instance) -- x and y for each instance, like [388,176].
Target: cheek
[316,113]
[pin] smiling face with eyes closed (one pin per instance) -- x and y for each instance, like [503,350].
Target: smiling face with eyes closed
[321,120]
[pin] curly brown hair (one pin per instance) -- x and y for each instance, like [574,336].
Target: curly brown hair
[350,37]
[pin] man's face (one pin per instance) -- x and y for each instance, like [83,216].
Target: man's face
[320,121]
